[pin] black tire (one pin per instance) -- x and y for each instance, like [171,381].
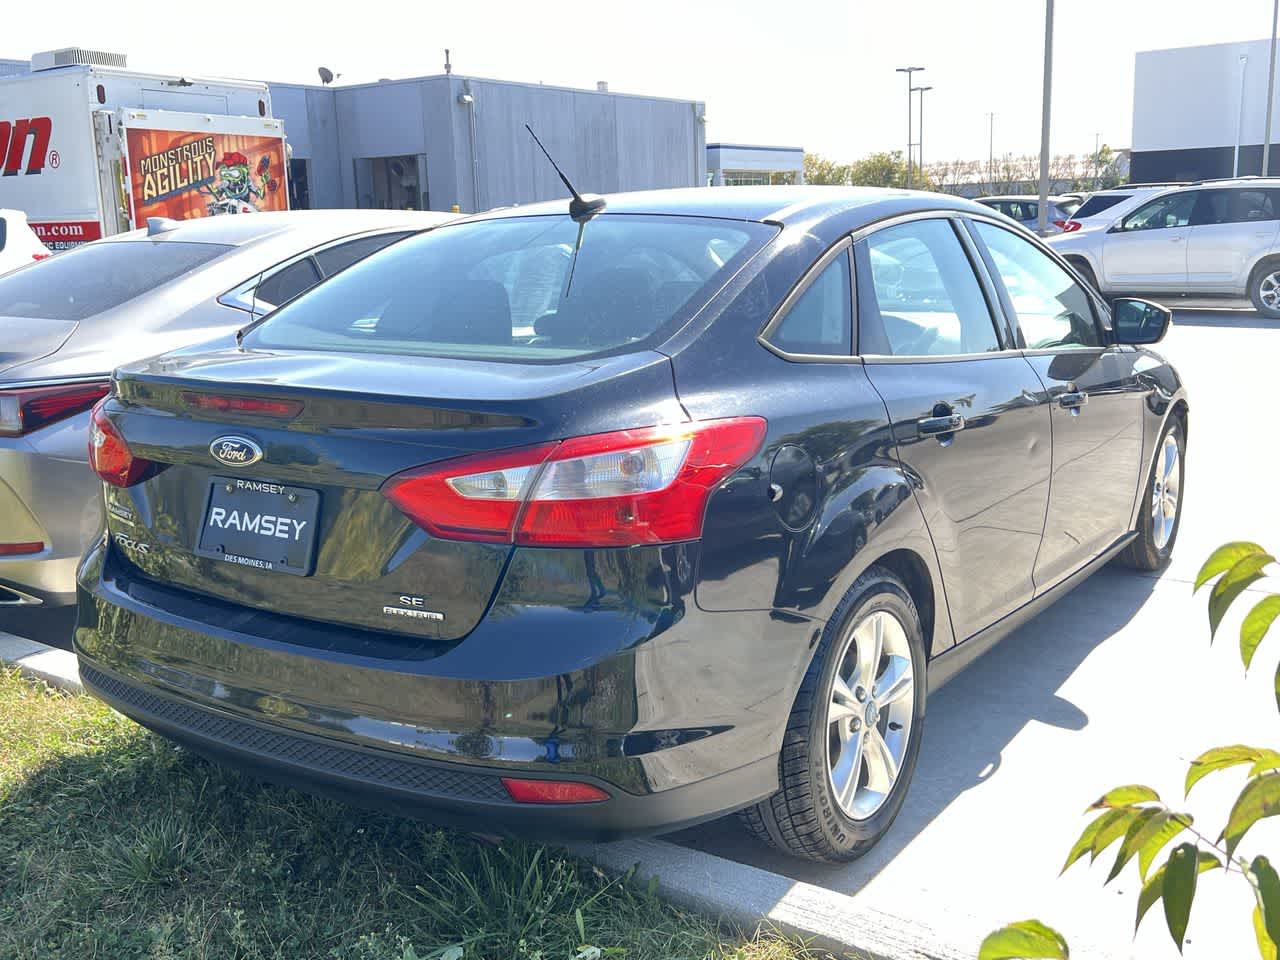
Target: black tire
[1145,552]
[1086,271]
[804,817]
[1267,268]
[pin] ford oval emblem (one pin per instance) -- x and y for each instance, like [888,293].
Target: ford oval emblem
[235,451]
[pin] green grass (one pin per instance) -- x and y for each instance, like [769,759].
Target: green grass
[115,844]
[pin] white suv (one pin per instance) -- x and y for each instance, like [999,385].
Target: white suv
[1218,238]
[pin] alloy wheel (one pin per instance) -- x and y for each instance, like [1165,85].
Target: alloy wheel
[1165,488]
[869,714]
[1269,290]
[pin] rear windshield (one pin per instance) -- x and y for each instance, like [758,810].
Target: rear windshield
[511,289]
[1069,206]
[1099,202]
[98,276]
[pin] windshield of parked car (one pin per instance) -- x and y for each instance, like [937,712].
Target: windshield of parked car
[96,277]
[503,290]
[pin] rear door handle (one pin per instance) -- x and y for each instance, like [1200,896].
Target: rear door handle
[1073,401]
[933,426]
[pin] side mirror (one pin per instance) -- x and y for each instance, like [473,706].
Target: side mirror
[1139,322]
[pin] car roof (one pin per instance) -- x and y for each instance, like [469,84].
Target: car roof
[772,204]
[241,229]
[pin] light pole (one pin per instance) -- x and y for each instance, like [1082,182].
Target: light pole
[1271,89]
[909,71]
[1235,159]
[920,139]
[991,152]
[1042,221]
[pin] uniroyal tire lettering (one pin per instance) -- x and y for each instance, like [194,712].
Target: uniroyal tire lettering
[13,144]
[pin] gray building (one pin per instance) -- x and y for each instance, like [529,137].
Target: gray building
[433,142]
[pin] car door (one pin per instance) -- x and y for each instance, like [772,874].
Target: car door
[1094,398]
[1147,250]
[969,417]
[1230,226]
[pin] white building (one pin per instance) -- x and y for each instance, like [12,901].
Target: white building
[1200,112]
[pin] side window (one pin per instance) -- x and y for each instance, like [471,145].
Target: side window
[342,255]
[920,296]
[820,322]
[1051,308]
[1212,207]
[1252,205]
[283,286]
[1171,210]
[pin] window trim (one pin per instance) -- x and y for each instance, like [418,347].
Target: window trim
[995,311]
[1101,318]
[240,296]
[1121,225]
[842,247]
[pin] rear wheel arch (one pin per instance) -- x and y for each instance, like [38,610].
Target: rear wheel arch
[1084,267]
[1264,264]
[910,567]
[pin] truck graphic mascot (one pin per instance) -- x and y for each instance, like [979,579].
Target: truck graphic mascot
[233,190]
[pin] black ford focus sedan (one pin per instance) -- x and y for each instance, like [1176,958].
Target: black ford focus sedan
[579,528]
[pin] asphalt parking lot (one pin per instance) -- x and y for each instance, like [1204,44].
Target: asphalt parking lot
[1115,684]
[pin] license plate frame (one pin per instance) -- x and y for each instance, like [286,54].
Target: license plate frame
[257,506]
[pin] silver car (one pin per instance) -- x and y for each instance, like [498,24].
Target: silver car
[67,322]
[1217,238]
[1026,210]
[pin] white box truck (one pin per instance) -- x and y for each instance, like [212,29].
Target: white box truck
[89,148]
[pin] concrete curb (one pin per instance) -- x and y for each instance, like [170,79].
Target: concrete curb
[58,668]
[691,878]
[748,895]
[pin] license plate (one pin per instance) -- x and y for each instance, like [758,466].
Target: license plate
[260,525]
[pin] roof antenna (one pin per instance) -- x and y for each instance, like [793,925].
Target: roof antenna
[581,209]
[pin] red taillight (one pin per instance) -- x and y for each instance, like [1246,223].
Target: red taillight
[26,409]
[552,791]
[607,490]
[1068,226]
[110,457]
[19,549]
[286,409]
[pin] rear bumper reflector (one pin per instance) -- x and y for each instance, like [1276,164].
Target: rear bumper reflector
[552,791]
[19,549]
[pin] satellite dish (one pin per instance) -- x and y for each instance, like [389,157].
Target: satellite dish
[326,75]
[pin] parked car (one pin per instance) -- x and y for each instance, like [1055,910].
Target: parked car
[1026,210]
[66,323]
[566,528]
[1104,206]
[1219,239]
[19,244]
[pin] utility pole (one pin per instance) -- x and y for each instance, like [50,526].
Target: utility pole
[910,126]
[991,153]
[920,139]
[1271,89]
[1042,221]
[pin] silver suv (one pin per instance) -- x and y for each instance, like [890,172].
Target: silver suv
[1218,238]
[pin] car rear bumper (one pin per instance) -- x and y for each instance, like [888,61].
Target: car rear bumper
[680,724]
[442,792]
[48,495]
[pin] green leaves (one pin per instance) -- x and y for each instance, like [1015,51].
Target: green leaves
[1224,558]
[1258,800]
[1125,796]
[1153,889]
[1025,940]
[1266,885]
[1130,844]
[1266,946]
[1156,834]
[1179,889]
[1233,583]
[1255,626]
[1221,758]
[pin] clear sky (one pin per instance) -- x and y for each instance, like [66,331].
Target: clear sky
[817,74]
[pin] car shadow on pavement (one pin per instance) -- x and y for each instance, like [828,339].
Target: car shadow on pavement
[52,626]
[970,722]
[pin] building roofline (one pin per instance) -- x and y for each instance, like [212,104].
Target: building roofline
[754,146]
[459,76]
